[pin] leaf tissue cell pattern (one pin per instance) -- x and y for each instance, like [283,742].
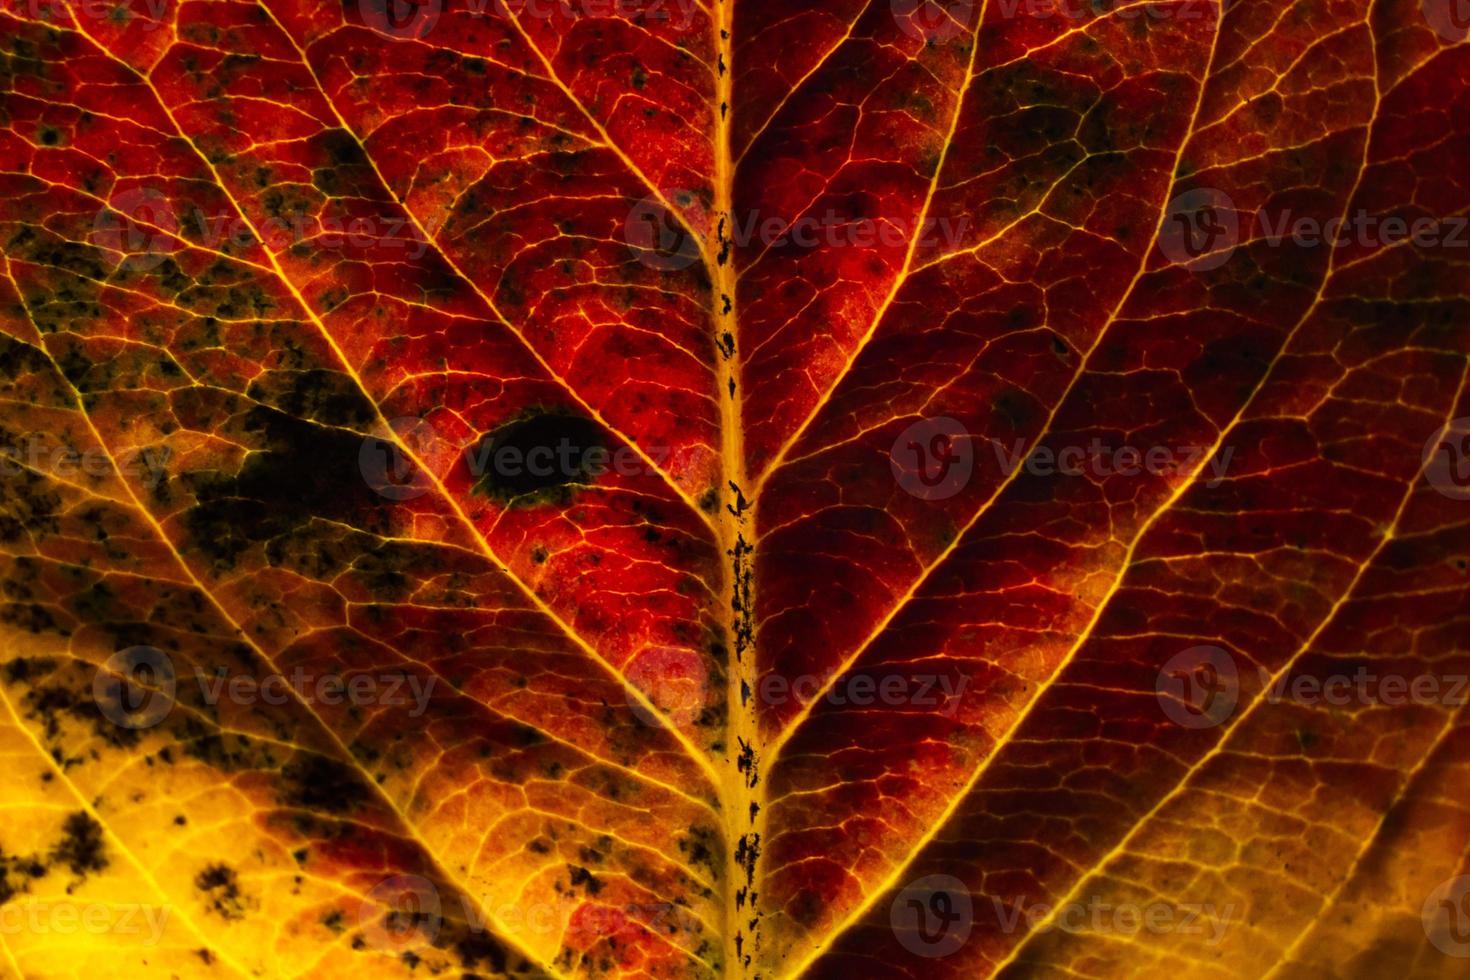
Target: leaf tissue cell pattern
[725,488]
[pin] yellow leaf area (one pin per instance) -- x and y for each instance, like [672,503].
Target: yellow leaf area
[299,679]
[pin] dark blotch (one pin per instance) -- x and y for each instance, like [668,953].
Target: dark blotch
[328,397]
[538,455]
[81,847]
[298,472]
[319,783]
[221,888]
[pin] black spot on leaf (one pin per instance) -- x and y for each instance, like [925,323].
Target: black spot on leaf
[532,459]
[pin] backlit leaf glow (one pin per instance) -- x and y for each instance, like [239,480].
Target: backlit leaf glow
[732,488]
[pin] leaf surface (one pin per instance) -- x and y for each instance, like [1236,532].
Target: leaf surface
[309,670]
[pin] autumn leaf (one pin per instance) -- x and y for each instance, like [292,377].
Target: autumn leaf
[719,488]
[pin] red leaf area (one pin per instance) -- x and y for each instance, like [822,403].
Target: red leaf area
[694,488]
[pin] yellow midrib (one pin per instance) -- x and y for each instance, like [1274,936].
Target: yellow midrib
[736,529]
